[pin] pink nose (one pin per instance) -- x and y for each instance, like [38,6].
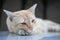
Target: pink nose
[30,27]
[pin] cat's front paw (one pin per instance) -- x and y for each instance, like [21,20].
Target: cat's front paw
[23,33]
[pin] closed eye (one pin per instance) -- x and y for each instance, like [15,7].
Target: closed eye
[32,20]
[23,23]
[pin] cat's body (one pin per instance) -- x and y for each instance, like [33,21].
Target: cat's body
[46,26]
[24,22]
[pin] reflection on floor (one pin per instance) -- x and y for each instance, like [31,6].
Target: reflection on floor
[50,36]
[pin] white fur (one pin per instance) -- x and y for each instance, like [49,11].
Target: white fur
[40,25]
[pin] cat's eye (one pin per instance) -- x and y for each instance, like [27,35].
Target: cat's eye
[32,20]
[23,23]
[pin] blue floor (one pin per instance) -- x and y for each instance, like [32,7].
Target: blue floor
[50,36]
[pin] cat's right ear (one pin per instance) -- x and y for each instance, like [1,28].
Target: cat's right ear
[9,14]
[32,9]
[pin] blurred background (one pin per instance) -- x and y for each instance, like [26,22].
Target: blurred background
[46,9]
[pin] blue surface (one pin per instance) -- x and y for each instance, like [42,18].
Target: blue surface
[50,36]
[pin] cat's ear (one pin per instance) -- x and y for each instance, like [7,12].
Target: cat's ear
[9,14]
[32,9]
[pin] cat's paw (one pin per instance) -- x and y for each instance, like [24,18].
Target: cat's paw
[23,33]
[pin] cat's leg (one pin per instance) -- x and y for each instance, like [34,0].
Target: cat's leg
[53,27]
[23,33]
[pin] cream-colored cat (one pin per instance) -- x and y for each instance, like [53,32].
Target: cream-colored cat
[24,22]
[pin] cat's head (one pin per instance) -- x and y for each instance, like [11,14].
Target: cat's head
[23,18]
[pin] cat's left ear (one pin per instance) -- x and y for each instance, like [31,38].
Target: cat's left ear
[32,9]
[9,14]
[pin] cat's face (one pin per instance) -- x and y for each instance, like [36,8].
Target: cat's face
[24,18]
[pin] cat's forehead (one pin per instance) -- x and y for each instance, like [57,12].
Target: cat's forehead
[23,13]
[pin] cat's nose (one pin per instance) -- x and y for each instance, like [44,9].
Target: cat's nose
[30,27]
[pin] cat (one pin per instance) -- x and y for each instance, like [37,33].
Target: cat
[25,22]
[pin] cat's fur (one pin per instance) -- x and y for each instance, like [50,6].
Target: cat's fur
[24,22]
